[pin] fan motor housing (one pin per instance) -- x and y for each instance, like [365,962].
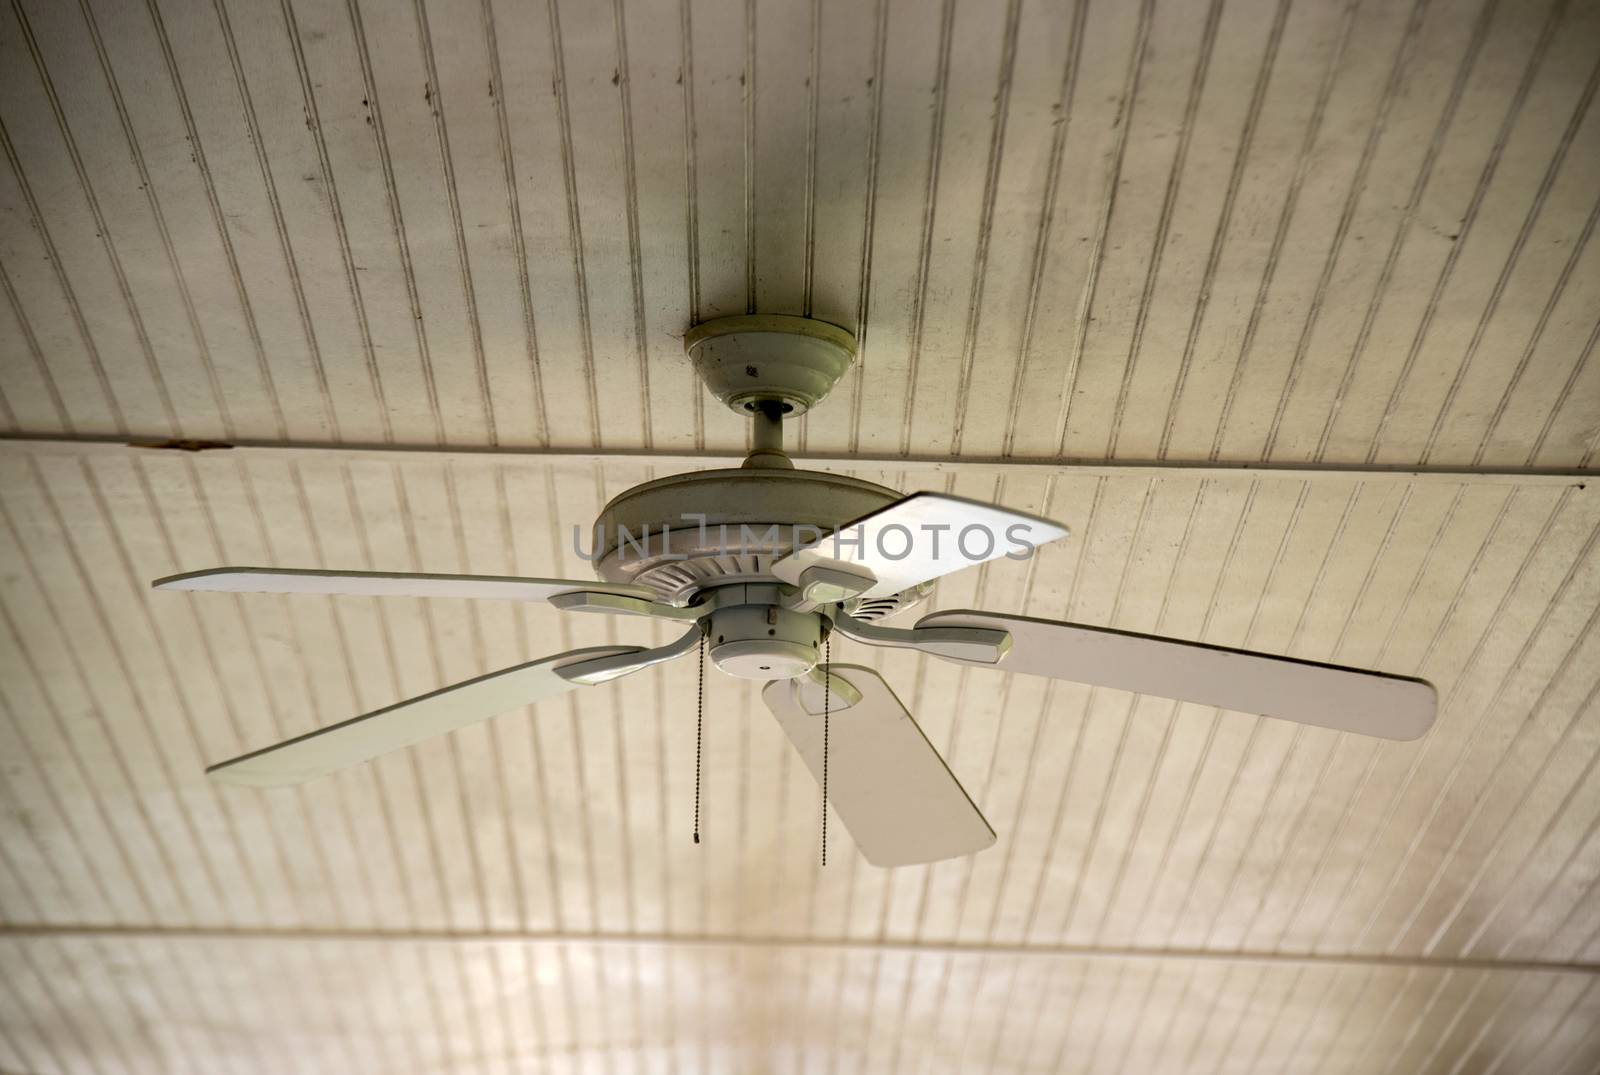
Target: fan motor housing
[689,533]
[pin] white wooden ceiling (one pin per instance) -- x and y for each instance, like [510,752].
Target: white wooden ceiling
[1301,233]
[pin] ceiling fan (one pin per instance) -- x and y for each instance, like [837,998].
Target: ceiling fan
[761,564]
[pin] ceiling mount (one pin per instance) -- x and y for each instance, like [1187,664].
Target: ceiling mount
[770,359]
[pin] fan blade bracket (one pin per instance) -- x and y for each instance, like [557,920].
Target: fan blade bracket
[964,643]
[596,670]
[982,645]
[819,692]
[623,604]
[827,583]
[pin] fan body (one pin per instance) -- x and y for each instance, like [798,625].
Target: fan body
[761,564]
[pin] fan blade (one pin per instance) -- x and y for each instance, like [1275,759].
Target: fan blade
[363,738]
[922,537]
[386,584]
[1326,695]
[888,784]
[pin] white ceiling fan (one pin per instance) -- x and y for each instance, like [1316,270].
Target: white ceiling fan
[762,564]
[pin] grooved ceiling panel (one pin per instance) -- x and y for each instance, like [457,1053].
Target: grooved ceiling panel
[546,855]
[1243,230]
[1353,237]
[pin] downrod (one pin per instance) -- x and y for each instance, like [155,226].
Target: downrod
[766,436]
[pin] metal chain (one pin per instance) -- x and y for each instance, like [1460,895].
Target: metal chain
[827,705]
[699,735]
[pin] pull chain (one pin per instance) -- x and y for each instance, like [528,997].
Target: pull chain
[827,705]
[699,735]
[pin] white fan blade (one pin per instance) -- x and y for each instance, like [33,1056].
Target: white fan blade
[386,584]
[365,737]
[888,784]
[922,537]
[1327,695]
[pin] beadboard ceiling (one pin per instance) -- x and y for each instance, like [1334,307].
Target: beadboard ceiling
[1288,308]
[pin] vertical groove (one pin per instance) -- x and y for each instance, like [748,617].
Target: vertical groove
[1498,292]
[635,247]
[569,171]
[280,225]
[397,223]
[813,95]
[519,241]
[434,95]
[1579,362]
[691,200]
[1454,773]
[1375,751]
[1283,762]
[36,356]
[1329,756]
[1534,846]
[880,44]
[991,187]
[426,806]
[1408,212]
[747,86]
[124,668]
[179,278]
[1460,239]
[1398,69]
[497,781]
[1471,738]
[1169,199]
[1302,168]
[930,199]
[1250,628]
[102,229]
[1128,100]
[1062,110]
[313,118]
[1219,235]
[272,706]
[75,309]
[1505,599]
[552,866]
